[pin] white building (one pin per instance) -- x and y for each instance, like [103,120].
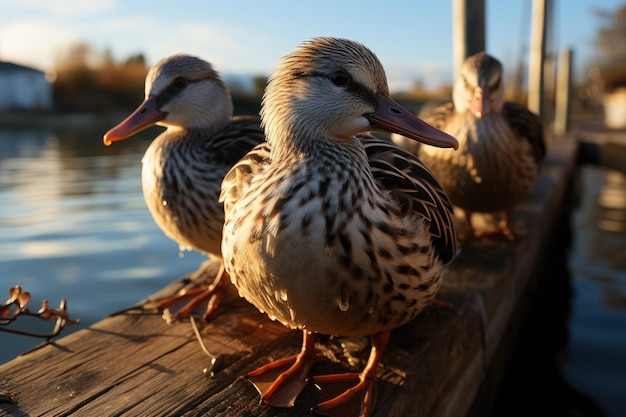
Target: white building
[23,88]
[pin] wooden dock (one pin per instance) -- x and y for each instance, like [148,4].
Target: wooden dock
[441,364]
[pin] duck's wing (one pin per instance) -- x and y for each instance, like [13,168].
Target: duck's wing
[416,190]
[241,135]
[527,125]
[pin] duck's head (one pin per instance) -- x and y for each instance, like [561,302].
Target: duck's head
[337,88]
[182,91]
[479,87]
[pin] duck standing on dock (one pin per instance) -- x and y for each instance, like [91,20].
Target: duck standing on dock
[501,145]
[184,166]
[330,233]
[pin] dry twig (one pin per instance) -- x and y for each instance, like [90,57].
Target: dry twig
[15,306]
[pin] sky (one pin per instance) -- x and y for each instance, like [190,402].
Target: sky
[412,38]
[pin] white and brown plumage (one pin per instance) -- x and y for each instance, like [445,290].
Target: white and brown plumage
[501,145]
[184,166]
[331,233]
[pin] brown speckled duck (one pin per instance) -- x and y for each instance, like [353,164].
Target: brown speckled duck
[328,232]
[184,166]
[501,146]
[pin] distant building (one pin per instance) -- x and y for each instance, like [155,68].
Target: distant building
[615,108]
[23,88]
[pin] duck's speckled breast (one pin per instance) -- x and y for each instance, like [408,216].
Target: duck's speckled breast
[314,261]
[181,189]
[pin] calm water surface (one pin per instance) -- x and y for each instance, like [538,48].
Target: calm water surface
[595,358]
[73,224]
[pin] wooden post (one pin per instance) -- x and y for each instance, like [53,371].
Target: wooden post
[537,55]
[548,91]
[468,37]
[563,89]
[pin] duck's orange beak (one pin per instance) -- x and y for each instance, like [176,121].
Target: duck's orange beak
[143,117]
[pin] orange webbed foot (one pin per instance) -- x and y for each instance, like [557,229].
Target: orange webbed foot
[351,394]
[211,294]
[280,382]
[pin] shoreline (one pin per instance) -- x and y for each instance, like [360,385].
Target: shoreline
[58,119]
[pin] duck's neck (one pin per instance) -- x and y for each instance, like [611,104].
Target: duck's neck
[292,143]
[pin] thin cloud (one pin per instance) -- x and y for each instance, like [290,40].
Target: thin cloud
[35,42]
[59,8]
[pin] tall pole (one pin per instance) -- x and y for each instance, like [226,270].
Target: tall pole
[537,57]
[563,88]
[468,23]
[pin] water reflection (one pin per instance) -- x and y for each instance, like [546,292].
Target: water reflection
[596,355]
[74,224]
[571,356]
[535,383]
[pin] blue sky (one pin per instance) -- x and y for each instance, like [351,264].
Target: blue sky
[413,38]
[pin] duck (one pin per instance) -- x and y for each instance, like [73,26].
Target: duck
[183,167]
[329,229]
[501,147]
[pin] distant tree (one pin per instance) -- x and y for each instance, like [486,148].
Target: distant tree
[443,91]
[75,57]
[246,100]
[136,60]
[75,78]
[259,83]
[418,91]
[610,41]
[90,80]
[123,82]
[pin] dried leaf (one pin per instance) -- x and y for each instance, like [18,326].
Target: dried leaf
[23,299]
[44,306]
[14,293]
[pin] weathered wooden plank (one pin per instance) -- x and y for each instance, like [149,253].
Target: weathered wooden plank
[136,364]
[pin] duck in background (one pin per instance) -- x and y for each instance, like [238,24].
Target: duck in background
[184,166]
[501,146]
[332,233]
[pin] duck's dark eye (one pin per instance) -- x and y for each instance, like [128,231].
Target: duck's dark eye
[180,82]
[496,85]
[339,78]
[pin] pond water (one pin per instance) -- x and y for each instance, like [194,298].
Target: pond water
[595,357]
[571,357]
[73,224]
